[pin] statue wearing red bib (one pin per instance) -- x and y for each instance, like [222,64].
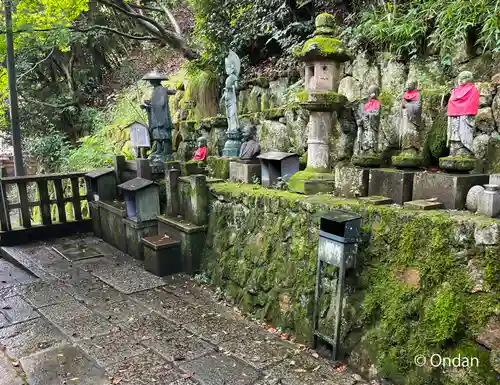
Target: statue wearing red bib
[201,152]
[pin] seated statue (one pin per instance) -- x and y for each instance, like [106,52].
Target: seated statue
[250,148]
[201,151]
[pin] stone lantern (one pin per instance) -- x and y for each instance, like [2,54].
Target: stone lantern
[323,56]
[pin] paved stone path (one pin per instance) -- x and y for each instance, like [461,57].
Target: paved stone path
[91,320]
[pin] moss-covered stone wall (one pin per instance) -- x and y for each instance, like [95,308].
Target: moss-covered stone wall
[425,283]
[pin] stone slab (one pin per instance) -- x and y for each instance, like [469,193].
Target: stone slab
[62,365]
[145,369]
[220,369]
[216,328]
[8,374]
[259,349]
[30,337]
[44,293]
[449,189]
[376,200]
[15,309]
[76,320]
[112,348]
[244,172]
[148,327]
[351,181]
[75,251]
[171,307]
[11,274]
[118,312]
[423,205]
[179,346]
[392,183]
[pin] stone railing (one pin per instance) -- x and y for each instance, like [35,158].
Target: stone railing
[38,206]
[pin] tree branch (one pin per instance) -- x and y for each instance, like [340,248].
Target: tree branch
[36,65]
[104,28]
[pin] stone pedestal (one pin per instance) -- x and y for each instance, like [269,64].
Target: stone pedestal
[134,232]
[489,202]
[244,172]
[351,181]
[392,183]
[219,166]
[113,228]
[449,189]
[162,255]
[96,218]
[232,145]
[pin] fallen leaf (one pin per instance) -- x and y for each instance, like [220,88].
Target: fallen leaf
[75,379]
[187,375]
[116,380]
[300,370]
[15,363]
[315,355]
[316,368]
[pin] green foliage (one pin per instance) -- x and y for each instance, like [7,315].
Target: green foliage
[49,150]
[92,153]
[411,28]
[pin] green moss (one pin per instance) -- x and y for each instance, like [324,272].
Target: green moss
[386,99]
[459,164]
[302,96]
[201,94]
[436,138]
[219,167]
[323,46]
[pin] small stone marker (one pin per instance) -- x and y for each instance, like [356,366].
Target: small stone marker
[423,204]
[376,200]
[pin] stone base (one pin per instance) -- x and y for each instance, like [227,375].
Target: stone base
[451,164]
[376,200]
[134,232]
[192,167]
[423,205]
[231,148]
[308,182]
[192,240]
[392,183]
[407,161]
[113,228]
[449,189]
[162,255]
[219,167]
[366,160]
[244,172]
[351,181]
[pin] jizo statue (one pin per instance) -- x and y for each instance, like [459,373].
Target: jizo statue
[250,148]
[201,151]
[160,122]
[368,124]
[462,110]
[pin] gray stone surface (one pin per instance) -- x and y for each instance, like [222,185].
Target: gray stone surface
[473,196]
[112,348]
[489,234]
[8,374]
[76,251]
[118,312]
[351,181]
[29,337]
[62,365]
[392,183]
[148,327]
[423,205]
[450,189]
[15,309]
[44,293]
[218,369]
[215,328]
[179,346]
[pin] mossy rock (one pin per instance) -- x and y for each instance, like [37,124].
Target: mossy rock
[324,101]
[367,160]
[193,167]
[407,161]
[457,164]
[312,181]
[323,47]
[219,166]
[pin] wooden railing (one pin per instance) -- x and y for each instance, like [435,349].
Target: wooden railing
[37,196]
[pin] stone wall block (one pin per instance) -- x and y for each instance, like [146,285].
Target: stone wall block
[487,234]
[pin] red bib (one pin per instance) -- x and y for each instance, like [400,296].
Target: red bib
[373,104]
[411,95]
[200,153]
[464,100]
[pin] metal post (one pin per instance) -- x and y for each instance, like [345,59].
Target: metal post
[316,303]
[14,109]
[338,317]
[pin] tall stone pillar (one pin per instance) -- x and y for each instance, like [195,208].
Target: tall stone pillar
[322,55]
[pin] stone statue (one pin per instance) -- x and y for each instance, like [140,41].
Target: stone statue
[368,127]
[201,152]
[233,67]
[250,147]
[160,122]
[410,129]
[463,107]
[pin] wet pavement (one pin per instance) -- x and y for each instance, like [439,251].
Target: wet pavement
[91,315]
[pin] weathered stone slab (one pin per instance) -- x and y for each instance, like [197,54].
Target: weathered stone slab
[145,369]
[258,349]
[351,181]
[450,189]
[75,320]
[172,308]
[75,251]
[148,327]
[244,172]
[218,369]
[216,328]
[423,204]
[8,374]
[392,183]
[94,292]
[11,274]
[30,337]
[62,365]
[44,293]
[376,200]
[487,234]
[118,312]
[490,335]
[112,348]
[179,346]
[15,309]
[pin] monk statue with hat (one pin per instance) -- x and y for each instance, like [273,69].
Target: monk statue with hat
[160,122]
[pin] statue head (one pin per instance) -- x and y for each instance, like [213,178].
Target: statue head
[465,77]
[202,141]
[373,92]
[411,85]
[232,64]
[248,131]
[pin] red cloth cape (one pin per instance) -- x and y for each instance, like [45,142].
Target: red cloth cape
[411,95]
[200,153]
[373,104]
[464,100]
